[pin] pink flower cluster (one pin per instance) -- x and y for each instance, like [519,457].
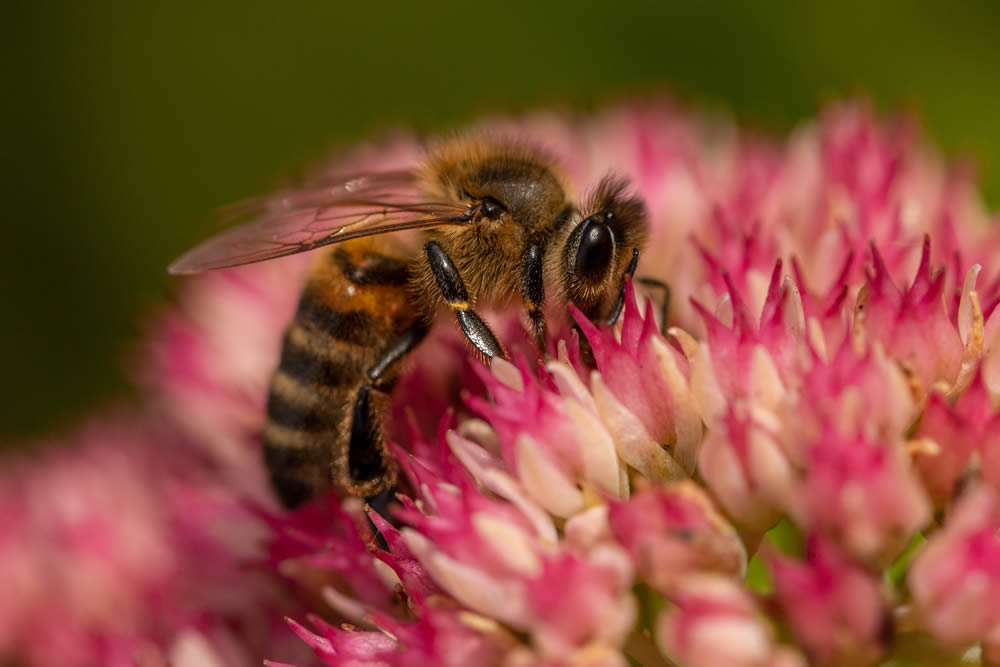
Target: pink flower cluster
[125,551]
[830,366]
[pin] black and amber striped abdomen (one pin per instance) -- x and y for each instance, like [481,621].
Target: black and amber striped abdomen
[324,421]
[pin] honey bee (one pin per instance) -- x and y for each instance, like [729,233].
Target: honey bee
[497,225]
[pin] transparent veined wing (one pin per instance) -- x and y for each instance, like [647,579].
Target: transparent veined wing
[320,214]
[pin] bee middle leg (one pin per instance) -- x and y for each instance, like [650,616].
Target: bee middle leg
[453,290]
[399,349]
[533,293]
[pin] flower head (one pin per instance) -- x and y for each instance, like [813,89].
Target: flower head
[830,362]
[122,543]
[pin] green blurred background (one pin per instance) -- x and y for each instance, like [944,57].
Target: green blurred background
[124,124]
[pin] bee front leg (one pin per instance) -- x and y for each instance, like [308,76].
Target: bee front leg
[620,302]
[453,290]
[648,282]
[533,293]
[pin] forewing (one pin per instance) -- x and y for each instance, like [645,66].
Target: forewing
[320,214]
[320,189]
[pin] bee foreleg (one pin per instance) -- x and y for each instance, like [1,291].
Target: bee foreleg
[533,292]
[457,297]
[664,302]
[620,302]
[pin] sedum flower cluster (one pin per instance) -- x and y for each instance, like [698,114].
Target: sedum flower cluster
[800,466]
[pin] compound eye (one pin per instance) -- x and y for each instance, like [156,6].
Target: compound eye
[593,255]
[491,209]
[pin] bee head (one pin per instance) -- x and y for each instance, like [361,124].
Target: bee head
[599,248]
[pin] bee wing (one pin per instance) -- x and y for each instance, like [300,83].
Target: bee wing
[317,215]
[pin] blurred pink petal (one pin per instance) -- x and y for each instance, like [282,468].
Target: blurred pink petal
[836,608]
[673,531]
[715,622]
[747,470]
[118,542]
[862,494]
[955,579]
[948,437]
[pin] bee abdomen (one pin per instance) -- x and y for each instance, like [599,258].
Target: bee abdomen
[324,416]
[310,398]
[296,472]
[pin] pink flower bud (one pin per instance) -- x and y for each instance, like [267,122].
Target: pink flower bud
[950,434]
[715,622]
[955,579]
[913,324]
[674,530]
[836,608]
[863,495]
[748,472]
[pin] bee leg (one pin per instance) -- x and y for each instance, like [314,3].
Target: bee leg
[453,289]
[533,293]
[367,468]
[620,302]
[664,302]
[369,463]
[399,349]
[364,470]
